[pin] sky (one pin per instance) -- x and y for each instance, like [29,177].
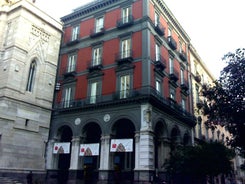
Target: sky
[215,27]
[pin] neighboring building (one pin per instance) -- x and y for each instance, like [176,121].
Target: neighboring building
[29,48]
[202,76]
[122,101]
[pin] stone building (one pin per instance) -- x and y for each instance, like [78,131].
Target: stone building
[123,102]
[202,76]
[29,47]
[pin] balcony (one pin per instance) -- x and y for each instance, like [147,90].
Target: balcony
[131,96]
[95,65]
[124,57]
[125,22]
[160,63]
[197,77]
[183,56]
[174,75]
[172,43]
[69,71]
[97,32]
[159,29]
[73,41]
[184,88]
[199,104]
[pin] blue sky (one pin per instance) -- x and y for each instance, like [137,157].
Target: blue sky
[214,26]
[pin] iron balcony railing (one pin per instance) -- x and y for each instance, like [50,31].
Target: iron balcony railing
[159,29]
[124,56]
[131,95]
[160,62]
[69,70]
[125,21]
[95,64]
[97,31]
[172,43]
[183,56]
[174,75]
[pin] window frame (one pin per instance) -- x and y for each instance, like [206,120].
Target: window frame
[97,60]
[68,96]
[126,17]
[31,76]
[75,32]
[125,47]
[93,97]
[99,24]
[71,63]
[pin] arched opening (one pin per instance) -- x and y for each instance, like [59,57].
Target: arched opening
[65,136]
[186,139]
[31,76]
[161,150]
[91,141]
[123,160]
[175,136]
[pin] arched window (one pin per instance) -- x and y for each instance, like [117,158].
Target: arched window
[31,76]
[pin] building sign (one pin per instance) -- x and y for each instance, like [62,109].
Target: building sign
[121,145]
[61,148]
[89,149]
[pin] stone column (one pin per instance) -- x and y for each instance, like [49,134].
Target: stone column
[75,146]
[51,162]
[137,150]
[146,151]
[74,170]
[104,158]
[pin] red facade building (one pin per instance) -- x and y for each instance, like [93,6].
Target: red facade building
[122,93]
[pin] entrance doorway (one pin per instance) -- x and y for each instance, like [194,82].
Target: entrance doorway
[123,162]
[65,134]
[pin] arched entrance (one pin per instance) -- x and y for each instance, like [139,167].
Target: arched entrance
[175,138]
[162,150]
[123,160]
[65,136]
[91,138]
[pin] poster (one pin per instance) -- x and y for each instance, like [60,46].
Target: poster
[61,148]
[121,145]
[89,149]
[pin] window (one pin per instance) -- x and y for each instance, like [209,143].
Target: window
[31,76]
[169,32]
[124,86]
[183,104]
[75,33]
[99,24]
[171,65]
[180,47]
[157,19]
[125,48]
[158,85]
[8,32]
[182,81]
[197,94]
[172,94]
[71,66]
[94,92]
[67,97]
[126,12]
[157,50]
[97,55]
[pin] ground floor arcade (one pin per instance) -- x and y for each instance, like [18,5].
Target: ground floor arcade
[127,144]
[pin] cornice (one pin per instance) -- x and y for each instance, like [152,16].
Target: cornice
[173,20]
[87,9]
